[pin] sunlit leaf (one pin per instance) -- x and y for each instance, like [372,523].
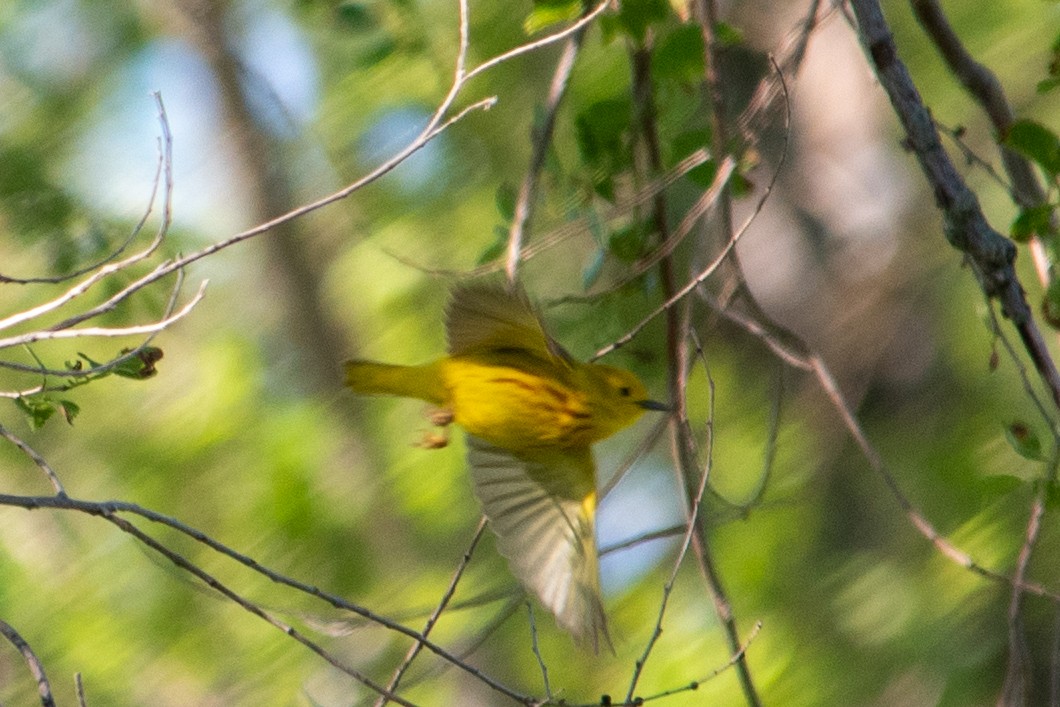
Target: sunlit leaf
[679,56]
[551,12]
[37,409]
[1037,142]
[1031,222]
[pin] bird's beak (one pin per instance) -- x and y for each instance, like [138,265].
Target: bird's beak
[652,405]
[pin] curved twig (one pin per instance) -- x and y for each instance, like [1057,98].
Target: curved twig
[44,688]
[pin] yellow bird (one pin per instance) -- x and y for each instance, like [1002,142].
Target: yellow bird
[531,413]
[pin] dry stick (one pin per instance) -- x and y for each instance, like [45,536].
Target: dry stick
[92,371]
[771,444]
[663,251]
[790,55]
[677,328]
[647,443]
[34,664]
[991,254]
[35,336]
[541,139]
[109,509]
[79,688]
[136,229]
[502,616]
[416,647]
[36,458]
[581,225]
[794,354]
[660,534]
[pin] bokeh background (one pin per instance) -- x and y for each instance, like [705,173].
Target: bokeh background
[247,435]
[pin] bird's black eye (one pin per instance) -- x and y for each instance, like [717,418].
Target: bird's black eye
[624,391]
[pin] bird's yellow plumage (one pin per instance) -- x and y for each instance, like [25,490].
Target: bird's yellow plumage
[531,413]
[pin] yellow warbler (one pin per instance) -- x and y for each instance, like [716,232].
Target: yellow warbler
[531,413]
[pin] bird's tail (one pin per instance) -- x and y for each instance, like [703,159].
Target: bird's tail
[422,382]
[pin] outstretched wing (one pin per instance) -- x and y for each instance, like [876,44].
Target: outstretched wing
[542,511]
[488,317]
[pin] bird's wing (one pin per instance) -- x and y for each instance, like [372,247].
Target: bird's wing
[489,317]
[542,511]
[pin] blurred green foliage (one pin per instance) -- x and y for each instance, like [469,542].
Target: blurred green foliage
[228,436]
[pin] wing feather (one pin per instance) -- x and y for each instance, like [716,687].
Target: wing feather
[488,317]
[542,512]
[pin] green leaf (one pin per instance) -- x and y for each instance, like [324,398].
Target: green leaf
[628,244]
[1032,221]
[1049,84]
[635,16]
[1024,441]
[69,410]
[601,131]
[1037,142]
[551,12]
[687,143]
[505,200]
[356,16]
[140,366]
[679,57]
[37,410]
[728,35]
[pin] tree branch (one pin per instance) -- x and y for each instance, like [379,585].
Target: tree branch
[992,255]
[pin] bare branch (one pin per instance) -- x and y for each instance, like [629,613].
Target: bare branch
[111,509]
[34,337]
[712,267]
[37,459]
[416,647]
[34,664]
[991,254]
[541,139]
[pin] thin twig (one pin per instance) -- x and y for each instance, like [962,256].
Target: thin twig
[691,527]
[536,648]
[416,647]
[135,330]
[79,688]
[37,459]
[44,689]
[209,580]
[714,264]
[110,509]
[695,684]
[541,139]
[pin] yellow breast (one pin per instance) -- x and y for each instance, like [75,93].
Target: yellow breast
[517,408]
